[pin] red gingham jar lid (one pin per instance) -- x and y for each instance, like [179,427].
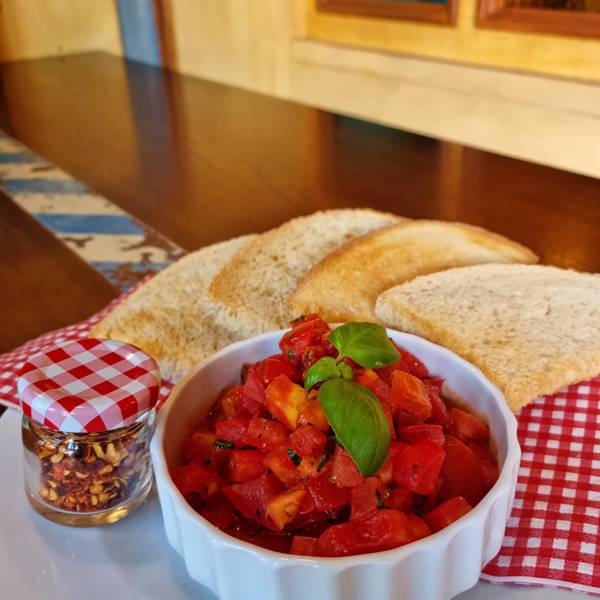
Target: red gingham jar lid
[88,385]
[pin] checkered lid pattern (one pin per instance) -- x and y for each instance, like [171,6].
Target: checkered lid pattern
[88,385]
[552,536]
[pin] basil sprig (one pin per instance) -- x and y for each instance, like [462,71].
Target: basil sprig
[324,369]
[365,343]
[358,421]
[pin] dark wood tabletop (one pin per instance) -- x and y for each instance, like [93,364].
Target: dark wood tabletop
[201,162]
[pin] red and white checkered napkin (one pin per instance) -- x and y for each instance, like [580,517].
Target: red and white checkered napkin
[88,385]
[552,535]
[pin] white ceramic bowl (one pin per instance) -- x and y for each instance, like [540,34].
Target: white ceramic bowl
[435,568]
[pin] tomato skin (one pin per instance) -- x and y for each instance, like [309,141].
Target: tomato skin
[416,433]
[419,528]
[244,465]
[381,530]
[326,495]
[399,499]
[233,430]
[447,513]
[193,478]
[303,545]
[417,467]
[280,463]
[461,475]
[251,497]
[467,427]
[344,472]
[253,393]
[275,365]
[265,434]
[410,394]
[366,497]
[308,441]
[415,366]
[487,464]
[219,511]
[439,411]
[386,473]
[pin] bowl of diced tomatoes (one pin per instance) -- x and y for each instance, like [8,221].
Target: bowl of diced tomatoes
[343,462]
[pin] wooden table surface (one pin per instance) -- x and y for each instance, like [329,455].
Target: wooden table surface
[201,162]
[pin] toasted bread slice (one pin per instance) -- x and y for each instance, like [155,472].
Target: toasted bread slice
[531,329]
[252,290]
[345,284]
[167,317]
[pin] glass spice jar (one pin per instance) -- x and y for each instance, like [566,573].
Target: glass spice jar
[88,418]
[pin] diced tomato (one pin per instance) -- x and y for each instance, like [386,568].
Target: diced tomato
[273,366]
[447,513]
[369,379]
[344,472]
[219,511]
[272,539]
[405,419]
[461,475]
[199,447]
[381,530]
[417,467]
[284,507]
[230,401]
[416,433]
[409,394]
[326,495]
[467,427]
[303,545]
[306,331]
[253,393]
[415,366]
[284,399]
[193,478]
[366,497]
[309,467]
[487,464]
[366,377]
[251,497]
[386,473]
[308,441]
[233,430]
[265,434]
[310,356]
[418,528]
[244,465]
[400,499]
[439,412]
[311,412]
[433,499]
[279,461]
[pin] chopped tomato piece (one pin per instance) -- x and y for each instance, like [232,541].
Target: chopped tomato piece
[251,497]
[276,365]
[193,478]
[326,495]
[461,475]
[284,507]
[308,441]
[433,499]
[310,356]
[378,531]
[230,401]
[386,473]
[409,394]
[219,511]
[306,331]
[253,393]
[265,434]
[367,377]
[416,433]
[400,499]
[244,465]
[487,464]
[284,399]
[233,430]
[272,539]
[280,462]
[199,447]
[311,412]
[366,497]
[303,545]
[415,366]
[344,472]
[417,467]
[439,412]
[447,513]
[418,528]
[467,427]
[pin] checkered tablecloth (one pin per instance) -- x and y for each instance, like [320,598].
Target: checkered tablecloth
[552,535]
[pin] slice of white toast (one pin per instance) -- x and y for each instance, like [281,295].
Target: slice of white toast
[345,284]
[168,318]
[531,329]
[252,290]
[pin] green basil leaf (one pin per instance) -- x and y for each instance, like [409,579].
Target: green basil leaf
[365,343]
[324,369]
[345,370]
[358,421]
